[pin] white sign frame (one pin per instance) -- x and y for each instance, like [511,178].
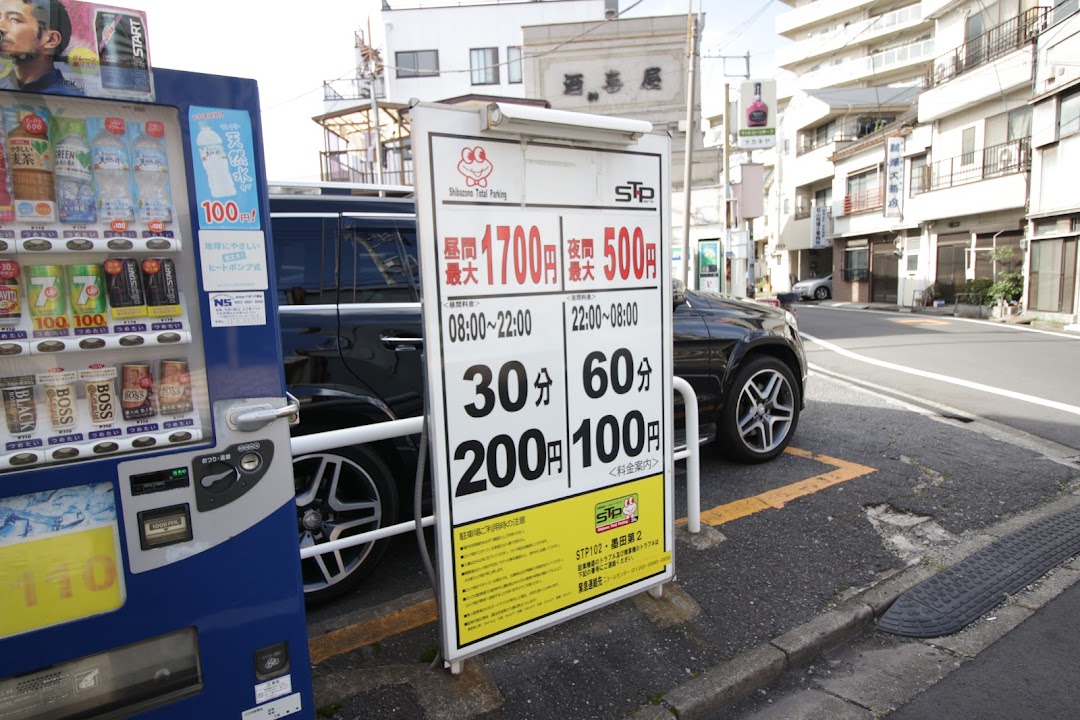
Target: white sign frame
[511,560]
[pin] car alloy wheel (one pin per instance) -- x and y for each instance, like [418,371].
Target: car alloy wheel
[339,494]
[762,412]
[821,293]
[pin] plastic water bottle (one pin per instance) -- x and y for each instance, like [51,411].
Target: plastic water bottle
[215,162]
[150,162]
[75,199]
[112,172]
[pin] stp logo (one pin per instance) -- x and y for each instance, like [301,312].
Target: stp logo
[634,190]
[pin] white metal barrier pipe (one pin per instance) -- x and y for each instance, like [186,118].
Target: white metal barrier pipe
[692,455]
[369,536]
[331,439]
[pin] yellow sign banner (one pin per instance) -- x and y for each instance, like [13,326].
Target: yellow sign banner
[58,579]
[518,567]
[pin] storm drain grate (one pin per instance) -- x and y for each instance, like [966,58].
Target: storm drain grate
[952,599]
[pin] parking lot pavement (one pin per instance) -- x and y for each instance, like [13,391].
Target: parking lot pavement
[759,593]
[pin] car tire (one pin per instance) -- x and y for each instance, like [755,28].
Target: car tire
[761,413]
[340,493]
[821,293]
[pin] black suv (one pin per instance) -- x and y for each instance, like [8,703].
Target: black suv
[349,297]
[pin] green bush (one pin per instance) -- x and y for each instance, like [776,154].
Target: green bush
[979,287]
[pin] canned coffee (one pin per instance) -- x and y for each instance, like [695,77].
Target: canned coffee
[99,381]
[20,410]
[159,280]
[174,390]
[137,391]
[61,401]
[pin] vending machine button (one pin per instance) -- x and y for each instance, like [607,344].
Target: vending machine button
[272,661]
[250,462]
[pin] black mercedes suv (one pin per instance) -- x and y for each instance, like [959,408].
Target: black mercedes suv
[348,288]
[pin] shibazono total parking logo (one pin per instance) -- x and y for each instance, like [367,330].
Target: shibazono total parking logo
[616,513]
[634,191]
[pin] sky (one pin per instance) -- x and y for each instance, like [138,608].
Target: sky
[291,49]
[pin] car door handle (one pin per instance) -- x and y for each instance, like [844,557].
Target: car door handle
[396,341]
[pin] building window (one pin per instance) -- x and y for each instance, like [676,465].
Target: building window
[417,63]
[1020,124]
[513,65]
[484,66]
[1053,275]
[857,264]
[863,191]
[1069,114]
[967,149]
[920,174]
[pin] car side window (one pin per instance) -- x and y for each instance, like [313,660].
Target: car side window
[373,268]
[305,262]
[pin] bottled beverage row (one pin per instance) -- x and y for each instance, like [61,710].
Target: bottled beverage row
[84,171]
[63,413]
[121,302]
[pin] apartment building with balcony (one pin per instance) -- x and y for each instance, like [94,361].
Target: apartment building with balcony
[971,185]
[1053,234]
[874,50]
[817,126]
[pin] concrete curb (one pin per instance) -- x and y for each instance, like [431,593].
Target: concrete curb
[712,692]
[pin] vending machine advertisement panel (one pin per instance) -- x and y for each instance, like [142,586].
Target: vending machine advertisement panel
[148,563]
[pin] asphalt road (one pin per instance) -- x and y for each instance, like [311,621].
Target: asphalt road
[1016,376]
[869,486]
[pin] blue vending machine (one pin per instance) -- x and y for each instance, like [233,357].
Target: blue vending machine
[148,562]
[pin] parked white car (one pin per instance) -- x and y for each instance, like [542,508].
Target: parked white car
[816,288]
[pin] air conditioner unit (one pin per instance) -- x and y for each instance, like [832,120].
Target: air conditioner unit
[1007,157]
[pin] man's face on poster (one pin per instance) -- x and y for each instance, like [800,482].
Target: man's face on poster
[21,35]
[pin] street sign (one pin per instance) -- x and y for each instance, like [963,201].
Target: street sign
[547,321]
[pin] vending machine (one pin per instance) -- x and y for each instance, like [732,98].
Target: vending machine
[148,562]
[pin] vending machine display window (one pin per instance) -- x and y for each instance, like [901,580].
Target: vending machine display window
[100,344]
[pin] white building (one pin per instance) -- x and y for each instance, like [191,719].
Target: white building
[1052,289]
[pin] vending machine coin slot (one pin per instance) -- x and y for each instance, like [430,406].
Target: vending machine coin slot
[225,476]
[272,661]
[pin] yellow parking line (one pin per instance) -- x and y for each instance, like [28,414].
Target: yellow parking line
[372,631]
[775,499]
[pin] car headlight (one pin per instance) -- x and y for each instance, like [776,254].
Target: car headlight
[792,320]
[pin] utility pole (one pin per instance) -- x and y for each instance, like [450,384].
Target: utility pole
[727,159]
[691,92]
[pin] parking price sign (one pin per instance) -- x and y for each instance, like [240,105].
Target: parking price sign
[547,321]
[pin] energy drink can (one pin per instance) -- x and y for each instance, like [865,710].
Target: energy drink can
[174,390]
[123,281]
[100,382]
[121,45]
[10,298]
[159,280]
[46,291]
[20,410]
[86,289]
[137,391]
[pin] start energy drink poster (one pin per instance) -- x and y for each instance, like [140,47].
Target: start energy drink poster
[84,49]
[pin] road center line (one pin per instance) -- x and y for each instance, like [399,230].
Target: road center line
[946,378]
